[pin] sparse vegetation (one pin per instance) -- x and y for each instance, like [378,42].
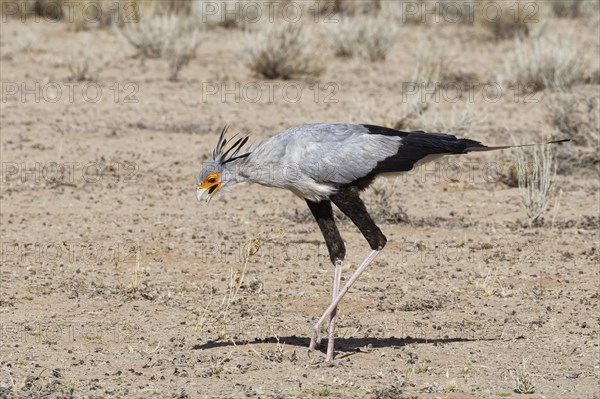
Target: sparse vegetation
[384,211]
[78,14]
[536,176]
[170,37]
[79,66]
[566,8]
[363,36]
[456,12]
[277,355]
[154,32]
[283,51]
[344,7]
[84,14]
[393,391]
[507,19]
[509,174]
[227,13]
[403,116]
[523,380]
[433,65]
[86,314]
[179,50]
[411,112]
[546,62]
[575,115]
[251,248]
[459,123]
[452,385]
[490,285]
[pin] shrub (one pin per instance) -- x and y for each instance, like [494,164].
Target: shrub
[405,115]
[546,62]
[365,36]
[178,51]
[348,7]
[83,14]
[233,13]
[576,115]
[171,37]
[535,177]
[506,19]
[459,123]
[79,66]
[433,65]
[283,50]
[566,8]
[523,380]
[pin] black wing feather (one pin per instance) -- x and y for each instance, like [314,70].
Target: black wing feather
[417,145]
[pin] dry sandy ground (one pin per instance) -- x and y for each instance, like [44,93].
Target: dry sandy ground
[115,281]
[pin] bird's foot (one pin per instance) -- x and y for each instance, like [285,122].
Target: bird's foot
[315,338]
[318,365]
[329,360]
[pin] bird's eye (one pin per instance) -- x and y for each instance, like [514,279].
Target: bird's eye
[212,178]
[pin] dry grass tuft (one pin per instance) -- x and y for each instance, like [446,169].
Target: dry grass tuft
[384,209]
[509,174]
[53,9]
[456,12]
[404,116]
[522,379]
[284,51]
[48,9]
[452,385]
[179,50]
[171,37]
[278,355]
[147,35]
[536,176]
[459,123]
[369,37]
[14,8]
[411,112]
[546,62]
[84,14]
[490,285]
[79,66]
[576,115]
[566,8]
[346,7]
[147,7]
[433,65]
[507,19]
[78,14]
[411,115]
[394,390]
[228,14]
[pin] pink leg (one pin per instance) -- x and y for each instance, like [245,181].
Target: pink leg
[337,276]
[330,309]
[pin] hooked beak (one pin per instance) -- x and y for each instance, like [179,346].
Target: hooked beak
[208,192]
[201,192]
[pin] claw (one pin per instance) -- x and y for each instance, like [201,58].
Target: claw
[315,338]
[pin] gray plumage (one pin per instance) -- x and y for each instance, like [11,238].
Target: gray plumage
[329,163]
[314,160]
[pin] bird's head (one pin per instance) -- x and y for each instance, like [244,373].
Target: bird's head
[222,171]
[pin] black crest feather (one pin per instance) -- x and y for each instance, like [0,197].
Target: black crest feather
[230,154]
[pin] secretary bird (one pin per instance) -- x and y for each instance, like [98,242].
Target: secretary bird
[324,163]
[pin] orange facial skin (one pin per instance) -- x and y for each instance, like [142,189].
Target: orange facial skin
[212,183]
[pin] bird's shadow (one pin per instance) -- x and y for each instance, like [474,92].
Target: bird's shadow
[347,345]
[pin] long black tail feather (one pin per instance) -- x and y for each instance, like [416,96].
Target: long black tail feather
[418,147]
